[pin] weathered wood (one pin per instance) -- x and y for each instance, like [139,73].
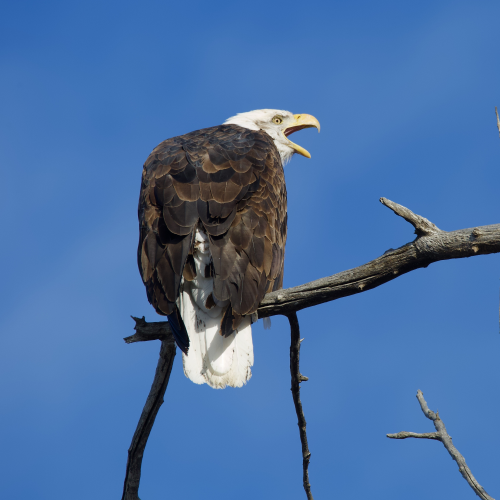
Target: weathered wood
[145,331]
[433,246]
[153,403]
[442,435]
[422,225]
[297,378]
[498,120]
[418,435]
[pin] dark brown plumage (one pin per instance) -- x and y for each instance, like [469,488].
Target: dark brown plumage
[230,181]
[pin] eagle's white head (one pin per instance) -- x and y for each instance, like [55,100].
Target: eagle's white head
[279,125]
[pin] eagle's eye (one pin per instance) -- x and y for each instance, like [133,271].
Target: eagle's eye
[278,120]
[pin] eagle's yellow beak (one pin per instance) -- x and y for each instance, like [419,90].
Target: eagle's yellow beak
[301,121]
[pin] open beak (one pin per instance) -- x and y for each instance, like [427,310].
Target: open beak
[301,121]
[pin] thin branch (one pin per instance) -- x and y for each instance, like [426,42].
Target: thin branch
[498,120]
[422,225]
[297,378]
[153,403]
[145,331]
[425,435]
[442,435]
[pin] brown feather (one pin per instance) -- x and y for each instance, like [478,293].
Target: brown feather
[230,180]
[224,192]
[178,254]
[220,210]
[214,226]
[189,271]
[255,252]
[222,291]
[187,192]
[168,279]
[209,303]
[223,256]
[240,236]
[186,215]
[226,326]
[248,290]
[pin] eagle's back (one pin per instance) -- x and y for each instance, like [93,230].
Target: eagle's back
[227,181]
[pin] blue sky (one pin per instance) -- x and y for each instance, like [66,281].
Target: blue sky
[405,93]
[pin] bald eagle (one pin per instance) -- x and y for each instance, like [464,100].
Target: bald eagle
[213,225]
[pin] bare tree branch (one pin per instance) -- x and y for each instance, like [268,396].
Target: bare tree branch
[433,246]
[425,435]
[423,227]
[144,331]
[498,120]
[297,378]
[153,403]
[443,436]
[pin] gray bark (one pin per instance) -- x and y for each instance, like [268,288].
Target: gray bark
[153,403]
[431,245]
[498,120]
[442,435]
[297,378]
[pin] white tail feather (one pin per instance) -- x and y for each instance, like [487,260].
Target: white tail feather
[212,359]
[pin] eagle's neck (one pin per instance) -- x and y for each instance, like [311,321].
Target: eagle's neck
[285,151]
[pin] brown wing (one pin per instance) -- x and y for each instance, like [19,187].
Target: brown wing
[229,180]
